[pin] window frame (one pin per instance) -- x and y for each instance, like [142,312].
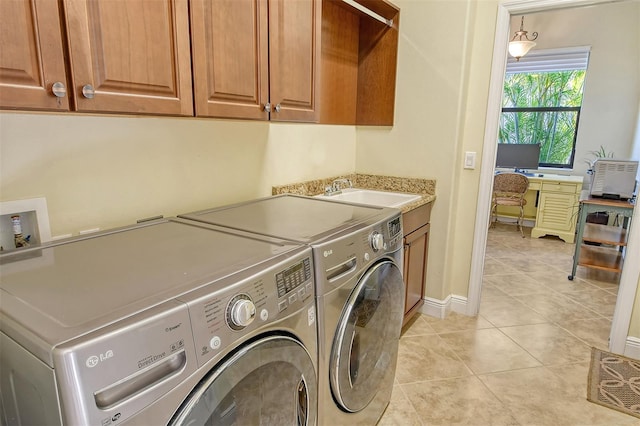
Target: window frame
[551,60]
[553,109]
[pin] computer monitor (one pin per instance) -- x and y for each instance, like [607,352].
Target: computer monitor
[518,156]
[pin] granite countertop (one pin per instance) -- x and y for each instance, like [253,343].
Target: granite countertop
[424,187]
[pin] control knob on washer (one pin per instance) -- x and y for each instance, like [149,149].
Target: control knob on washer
[243,313]
[376,240]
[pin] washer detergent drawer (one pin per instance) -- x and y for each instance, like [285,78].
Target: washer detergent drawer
[114,372]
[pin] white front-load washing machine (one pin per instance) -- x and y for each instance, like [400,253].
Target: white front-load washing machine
[358,254]
[169,322]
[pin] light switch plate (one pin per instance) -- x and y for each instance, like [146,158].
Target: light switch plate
[469,160]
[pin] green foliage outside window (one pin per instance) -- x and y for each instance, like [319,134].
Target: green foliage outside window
[543,108]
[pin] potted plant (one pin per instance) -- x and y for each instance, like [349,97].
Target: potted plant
[600,153]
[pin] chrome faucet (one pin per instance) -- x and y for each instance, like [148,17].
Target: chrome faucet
[336,186]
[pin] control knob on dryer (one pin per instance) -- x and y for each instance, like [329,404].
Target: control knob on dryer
[376,240]
[242,312]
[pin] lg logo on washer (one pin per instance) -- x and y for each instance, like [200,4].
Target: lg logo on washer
[93,360]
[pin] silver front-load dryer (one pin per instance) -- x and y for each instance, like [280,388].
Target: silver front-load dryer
[170,322]
[358,255]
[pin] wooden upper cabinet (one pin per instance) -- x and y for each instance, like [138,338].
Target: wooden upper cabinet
[282,60]
[230,58]
[294,49]
[130,56]
[31,56]
[252,54]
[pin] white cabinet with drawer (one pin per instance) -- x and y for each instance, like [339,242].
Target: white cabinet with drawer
[557,209]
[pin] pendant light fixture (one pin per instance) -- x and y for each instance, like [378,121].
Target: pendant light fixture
[520,44]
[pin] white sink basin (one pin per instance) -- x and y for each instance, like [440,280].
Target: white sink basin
[375,198]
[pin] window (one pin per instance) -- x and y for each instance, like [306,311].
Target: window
[541,103]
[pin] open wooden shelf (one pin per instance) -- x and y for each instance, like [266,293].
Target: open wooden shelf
[603,258]
[358,64]
[608,253]
[612,235]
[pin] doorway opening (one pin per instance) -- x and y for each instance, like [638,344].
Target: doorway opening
[629,276]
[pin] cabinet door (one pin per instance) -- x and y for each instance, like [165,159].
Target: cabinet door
[557,211]
[230,58]
[415,267]
[31,56]
[130,56]
[294,46]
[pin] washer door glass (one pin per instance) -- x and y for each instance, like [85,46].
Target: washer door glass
[365,346]
[271,381]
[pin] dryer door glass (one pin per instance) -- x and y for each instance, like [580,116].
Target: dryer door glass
[271,381]
[365,347]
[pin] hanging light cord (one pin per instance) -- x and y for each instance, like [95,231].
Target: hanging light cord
[523,33]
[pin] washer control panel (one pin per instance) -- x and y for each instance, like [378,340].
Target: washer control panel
[241,304]
[394,229]
[293,277]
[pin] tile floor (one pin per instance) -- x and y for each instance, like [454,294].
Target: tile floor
[524,359]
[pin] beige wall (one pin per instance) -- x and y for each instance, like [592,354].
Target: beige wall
[472,139]
[443,78]
[101,171]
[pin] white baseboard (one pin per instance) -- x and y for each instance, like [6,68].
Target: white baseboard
[439,308]
[459,304]
[435,307]
[632,347]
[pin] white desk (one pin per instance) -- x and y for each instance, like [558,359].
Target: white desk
[552,202]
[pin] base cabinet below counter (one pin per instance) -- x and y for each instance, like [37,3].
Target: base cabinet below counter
[416,227]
